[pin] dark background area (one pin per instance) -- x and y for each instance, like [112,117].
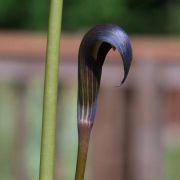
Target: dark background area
[139,17]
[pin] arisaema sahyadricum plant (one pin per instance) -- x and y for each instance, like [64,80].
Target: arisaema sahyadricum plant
[92,52]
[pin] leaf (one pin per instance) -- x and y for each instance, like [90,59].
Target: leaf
[92,52]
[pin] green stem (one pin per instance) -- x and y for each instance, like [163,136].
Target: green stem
[47,161]
[84,136]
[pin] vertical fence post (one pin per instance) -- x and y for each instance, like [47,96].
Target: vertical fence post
[108,135]
[20,132]
[127,135]
[147,126]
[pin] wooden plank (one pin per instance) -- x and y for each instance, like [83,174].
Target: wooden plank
[107,137]
[147,147]
[20,169]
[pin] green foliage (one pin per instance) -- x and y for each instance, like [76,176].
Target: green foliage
[81,14]
[172,163]
[23,14]
[135,16]
[151,16]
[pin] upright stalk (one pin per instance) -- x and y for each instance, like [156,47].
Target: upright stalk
[47,161]
[84,132]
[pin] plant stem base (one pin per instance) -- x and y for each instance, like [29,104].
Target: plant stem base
[84,131]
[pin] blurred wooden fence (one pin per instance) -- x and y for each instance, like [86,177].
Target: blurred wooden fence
[130,134]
